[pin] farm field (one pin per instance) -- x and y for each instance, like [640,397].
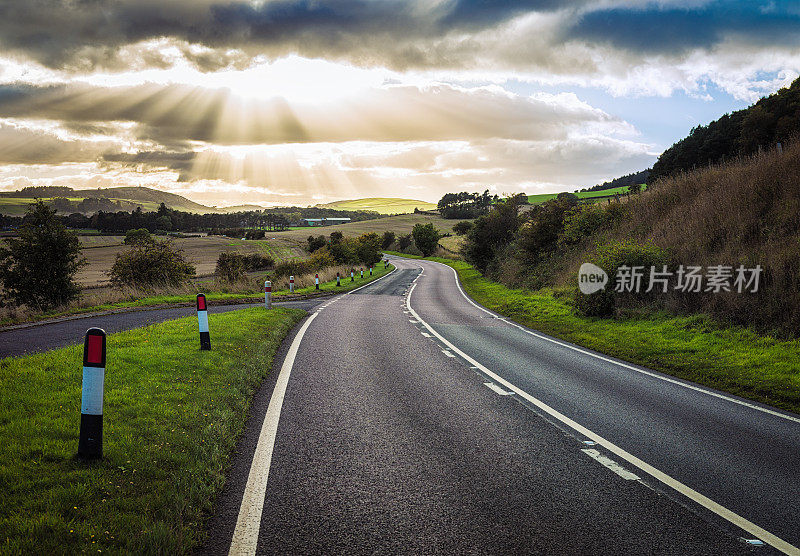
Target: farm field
[383,205]
[401,224]
[542,197]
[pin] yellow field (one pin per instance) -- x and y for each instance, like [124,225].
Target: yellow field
[383,205]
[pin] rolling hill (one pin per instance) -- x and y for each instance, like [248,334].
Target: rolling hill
[383,205]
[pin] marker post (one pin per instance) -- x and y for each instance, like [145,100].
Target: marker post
[362,273]
[352,276]
[291,284]
[202,322]
[90,442]
[370,270]
[316,280]
[338,282]
[268,294]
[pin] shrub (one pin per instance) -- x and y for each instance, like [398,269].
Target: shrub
[254,234]
[611,257]
[135,237]
[404,242]
[315,243]
[585,221]
[491,232]
[387,239]
[320,260]
[462,228]
[426,238]
[152,264]
[231,266]
[38,268]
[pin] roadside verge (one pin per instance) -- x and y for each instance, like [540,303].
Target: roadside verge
[172,416]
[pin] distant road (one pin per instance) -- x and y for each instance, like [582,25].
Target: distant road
[407,419]
[47,336]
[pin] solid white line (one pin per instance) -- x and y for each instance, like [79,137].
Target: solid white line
[620,363]
[497,389]
[611,464]
[245,536]
[370,283]
[676,485]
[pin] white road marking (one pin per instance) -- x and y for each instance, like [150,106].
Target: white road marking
[620,363]
[427,335]
[370,283]
[669,481]
[245,536]
[497,389]
[611,464]
[447,353]
[412,321]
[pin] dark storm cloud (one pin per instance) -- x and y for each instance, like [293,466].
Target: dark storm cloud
[676,30]
[155,159]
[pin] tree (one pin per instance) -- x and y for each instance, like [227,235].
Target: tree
[426,238]
[491,232]
[38,268]
[157,263]
[462,227]
[315,243]
[635,188]
[137,236]
[387,239]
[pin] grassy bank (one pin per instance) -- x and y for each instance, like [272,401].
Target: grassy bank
[696,348]
[280,292]
[171,416]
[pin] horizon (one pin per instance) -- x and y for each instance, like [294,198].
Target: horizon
[284,103]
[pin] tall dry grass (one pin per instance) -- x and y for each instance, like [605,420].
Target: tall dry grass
[743,212]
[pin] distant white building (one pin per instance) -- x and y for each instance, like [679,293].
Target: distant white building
[323,221]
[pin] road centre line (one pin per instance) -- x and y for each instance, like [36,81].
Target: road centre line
[620,363]
[611,464]
[245,535]
[669,481]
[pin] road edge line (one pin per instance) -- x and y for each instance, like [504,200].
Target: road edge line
[248,522]
[709,504]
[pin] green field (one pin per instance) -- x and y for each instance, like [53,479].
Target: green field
[695,348]
[172,415]
[383,205]
[542,197]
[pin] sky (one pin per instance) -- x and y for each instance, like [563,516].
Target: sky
[299,102]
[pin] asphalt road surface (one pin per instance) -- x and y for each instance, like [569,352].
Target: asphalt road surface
[44,337]
[403,418]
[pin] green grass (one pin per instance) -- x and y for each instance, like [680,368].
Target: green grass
[542,197]
[172,415]
[696,348]
[383,205]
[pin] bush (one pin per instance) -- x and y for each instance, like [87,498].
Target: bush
[231,266]
[321,259]
[611,257]
[135,237]
[462,228]
[38,268]
[254,234]
[157,263]
[404,242]
[492,232]
[365,249]
[426,238]
[315,243]
[387,239]
[585,221]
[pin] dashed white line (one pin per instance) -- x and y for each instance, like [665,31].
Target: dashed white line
[497,389]
[611,464]
[659,475]
[447,353]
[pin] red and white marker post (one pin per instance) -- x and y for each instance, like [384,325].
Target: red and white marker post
[338,280]
[90,442]
[202,322]
[316,281]
[268,294]
[291,284]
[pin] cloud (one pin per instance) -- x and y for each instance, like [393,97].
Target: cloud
[176,115]
[25,145]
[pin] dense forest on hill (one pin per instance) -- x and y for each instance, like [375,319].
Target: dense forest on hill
[624,181]
[771,120]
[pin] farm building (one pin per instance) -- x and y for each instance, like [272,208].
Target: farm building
[323,221]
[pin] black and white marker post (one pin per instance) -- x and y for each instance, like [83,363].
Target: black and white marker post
[316,280]
[352,276]
[268,294]
[202,321]
[338,280]
[291,284]
[370,270]
[90,442]
[362,273]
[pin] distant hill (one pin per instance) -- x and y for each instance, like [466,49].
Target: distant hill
[624,181]
[771,120]
[383,205]
[110,199]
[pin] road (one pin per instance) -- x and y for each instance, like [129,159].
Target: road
[404,418]
[47,336]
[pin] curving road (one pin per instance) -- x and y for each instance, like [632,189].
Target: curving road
[405,418]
